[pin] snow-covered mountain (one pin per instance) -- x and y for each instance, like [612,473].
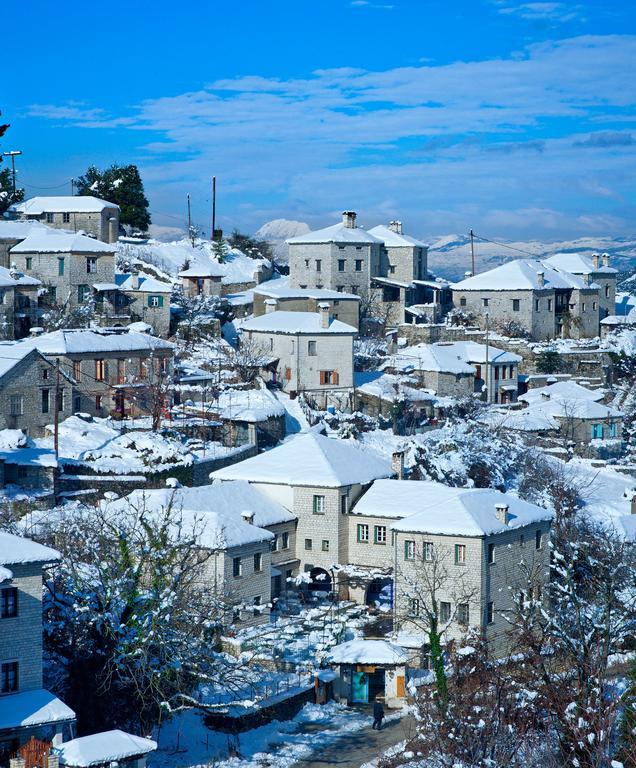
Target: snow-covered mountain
[277,231]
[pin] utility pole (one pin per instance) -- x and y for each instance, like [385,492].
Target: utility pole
[13,154]
[487,360]
[190,223]
[472,252]
[72,187]
[213,207]
[56,413]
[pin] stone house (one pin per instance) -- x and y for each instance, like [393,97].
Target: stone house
[381,394]
[202,279]
[84,213]
[306,352]
[344,306]
[404,257]
[66,264]
[600,272]
[436,367]
[114,371]
[12,233]
[107,748]
[26,708]
[317,479]
[544,302]
[30,408]
[134,298]
[18,303]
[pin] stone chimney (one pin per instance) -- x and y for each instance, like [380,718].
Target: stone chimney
[270,305]
[13,272]
[172,482]
[468,273]
[397,464]
[135,281]
[396,226]
[606,259]
[587,277]
[53,761]
[113,230]
[545,395]
[595,260]
[349,219]
[323,311]
[36,330]
[248,516]
[501,511]
[541,279]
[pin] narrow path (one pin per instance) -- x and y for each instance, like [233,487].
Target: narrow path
[295,420]
[353,749]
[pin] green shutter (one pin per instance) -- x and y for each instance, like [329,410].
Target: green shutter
[160,301]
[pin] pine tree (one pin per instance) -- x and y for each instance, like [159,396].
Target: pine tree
[220,250]
[121,185]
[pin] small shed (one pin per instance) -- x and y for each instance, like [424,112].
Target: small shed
[103,749]
[370,668]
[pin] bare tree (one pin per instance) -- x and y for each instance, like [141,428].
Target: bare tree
[247,359]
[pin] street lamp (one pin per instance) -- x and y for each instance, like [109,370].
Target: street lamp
[13,155]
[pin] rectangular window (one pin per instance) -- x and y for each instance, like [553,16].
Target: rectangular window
[583,307]
[98,402]
[308,543]
[490,613]
[16,405]
[343,505]
[100,370]
[49,218]
[463,613]
[9,677]
[45,374]
[256,603]
[155,301]
[516,304]
[60,266]
[77,370]
[340,289]
[325,545]
[9,603]
[341,265]
[82,293]
[363,533]
[274,544]
[237,567]
[460,554]
[427,551]
[491,553]
[318,265]
[597,431]
[77,403]
[329,377]
[319,505]
[462,301]
[414,606]
[484,302]
[550,304]
[66,218]
[379,534]
[285,540]
[121,371]
[91,265]
[537,305]
[258,562]
[45,400]
[612,429]
[358,265]
[28,262]
[409,550]
[607,291]
[444,612]
[538,539]
[311,348]
[594,305]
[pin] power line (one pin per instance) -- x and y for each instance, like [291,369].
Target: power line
[35,186]
[504,245]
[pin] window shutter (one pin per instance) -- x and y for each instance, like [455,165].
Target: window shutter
[322,377]
[150,301]
[336,378]
[288,374]
[160,301]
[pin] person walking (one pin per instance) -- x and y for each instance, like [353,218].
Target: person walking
[378,714]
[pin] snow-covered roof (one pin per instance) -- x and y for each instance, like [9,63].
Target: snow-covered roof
[521,275]
[390,388]
[285,292]
[439,509]
[296,322]
[310,459]
[203,269]
[76,341]
[16,229]
[125,282]
[31,708]
[577,264]
[16,550]
[10,356]
[428,357]
[533,419]
[395,239]
[5,574]
[336,233]
[103,748]
[47,240]
[368,652]
[10,277]
[248,405]
[36,206]
[564,390]
[472,352]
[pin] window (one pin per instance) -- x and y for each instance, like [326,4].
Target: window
[60,266]
[237,567]
[258,561]
[306,264]
[285,540]
[512,371]
[516,304]
[325,545]
[274,544]
[444,612]
[427,551]
[462,301]
[308,544]
[607,291]
[341,247]
[9,603]
[491,553]
[463,613]
[460,554]
[343,505]
[363,533]
[9,677]
[318,265]
[77,370]
[28,262]
[583,307]
[538,539]
[256,603]
[340,289]
[288,373]
[16,405]
[98,402]
[82,293]
[490,613]
[45,374]
[319,505]
[341,265]
[612,429]
[45,400]
[100,370]
[484,302]
[358,265]
[379,534]
[49,218]
[597,431]
[311,348]
[155,301]
[66,218]
[52,291]
[91,265]
[414,606]
[550,304]
[409,550]
[391,269]
[329,377]
[77,403]
[522,540]
[121,371]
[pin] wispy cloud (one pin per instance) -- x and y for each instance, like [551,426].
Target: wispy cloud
[607,139]
[369,4]
[541,11]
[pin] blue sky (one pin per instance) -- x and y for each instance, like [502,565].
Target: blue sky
[514,118]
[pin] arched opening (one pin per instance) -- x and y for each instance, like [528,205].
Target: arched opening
[320,580]
[380,593]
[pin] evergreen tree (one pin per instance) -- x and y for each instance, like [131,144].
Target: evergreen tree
[121,185]
[251,246]
[220,250]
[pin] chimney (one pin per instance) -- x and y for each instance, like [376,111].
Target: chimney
[606,259]
[113,230]
[501,512]
[13,272]
[545,395]
[595,260]
[396,226]
[36,330]
[323,311]
[135,281]
[349,219]
[248,516]
[541,279]
[53,761]
[270,305]
[397,464]
[172,482]
[587,277]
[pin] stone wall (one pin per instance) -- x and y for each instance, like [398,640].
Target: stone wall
[96,223]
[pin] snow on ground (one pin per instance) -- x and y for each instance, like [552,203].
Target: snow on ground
[295,419]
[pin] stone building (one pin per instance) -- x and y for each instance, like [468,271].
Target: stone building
[404,257]
[134,298]
[307,352]
[66,264]
[599,270]
[79,213]
[317,479]
[542,301]
[114,371]
[202,279]
[344,306]
[437,367]
[26,708]
[12,233]
[18,303]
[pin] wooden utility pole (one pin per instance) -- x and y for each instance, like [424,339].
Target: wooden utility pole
[472,252]
[487,357]
[56,411]
[213,207]
[190,235]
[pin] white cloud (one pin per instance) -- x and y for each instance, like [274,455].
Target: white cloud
[542,11]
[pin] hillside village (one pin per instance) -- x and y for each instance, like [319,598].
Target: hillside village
[239,499]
